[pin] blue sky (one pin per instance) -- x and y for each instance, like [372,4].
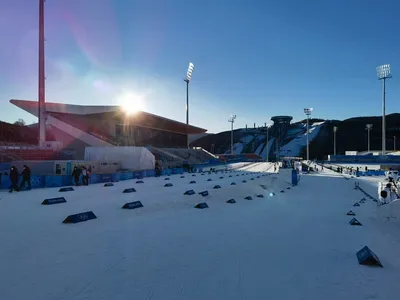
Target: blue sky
[253,58]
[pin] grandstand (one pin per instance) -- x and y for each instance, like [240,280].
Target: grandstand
[176,157]
[79,126]
[74,127]
[20,143]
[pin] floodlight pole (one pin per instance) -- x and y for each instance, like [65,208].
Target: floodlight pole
[383,73]
[308,111]
[41,78]
[369,127]
[187,101]
[187,80]
[384,117]
[308,142]
[267,144]
[232,120]
[187,109]
[232,136]
[334,139]
[394,143]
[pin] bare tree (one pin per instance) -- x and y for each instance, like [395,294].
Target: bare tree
[20,122]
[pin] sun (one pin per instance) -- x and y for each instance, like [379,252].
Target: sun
[131,103]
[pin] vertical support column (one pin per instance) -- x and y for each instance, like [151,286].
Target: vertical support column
[383,118]
[41,78]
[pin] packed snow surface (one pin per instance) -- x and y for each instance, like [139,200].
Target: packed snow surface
[292,245]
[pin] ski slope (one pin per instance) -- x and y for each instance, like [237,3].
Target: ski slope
[294,147]
[292,245]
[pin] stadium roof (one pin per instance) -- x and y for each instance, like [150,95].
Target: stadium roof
[140,118]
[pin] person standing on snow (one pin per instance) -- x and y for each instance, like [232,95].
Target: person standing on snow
[158,168]
[14,179]
[76,174]
[88,172]
[26,177]
[85,176]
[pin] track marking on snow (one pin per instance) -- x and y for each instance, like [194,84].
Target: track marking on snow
[90,282]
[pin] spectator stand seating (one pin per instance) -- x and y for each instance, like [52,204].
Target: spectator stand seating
[86,124]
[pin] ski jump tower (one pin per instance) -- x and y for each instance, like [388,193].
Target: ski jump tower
[281,125]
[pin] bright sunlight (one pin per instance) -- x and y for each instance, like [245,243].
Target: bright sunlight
[131,103]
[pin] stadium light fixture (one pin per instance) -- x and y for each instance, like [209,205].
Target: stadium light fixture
[369,128]
[383,72]
[232,120]
[335,129]
[187,80]
[308,112]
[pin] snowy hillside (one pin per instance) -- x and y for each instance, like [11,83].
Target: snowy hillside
[351,136]
[294,147]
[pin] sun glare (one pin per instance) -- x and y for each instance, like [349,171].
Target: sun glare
[131,103]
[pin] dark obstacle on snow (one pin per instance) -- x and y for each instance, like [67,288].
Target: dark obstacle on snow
[366,257]
[201,205]
[132,205]
[355,222]
[204,193]
[52,201]
[82,217]
[189,192]
[66,189]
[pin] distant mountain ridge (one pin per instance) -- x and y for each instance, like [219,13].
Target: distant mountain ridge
[351,136]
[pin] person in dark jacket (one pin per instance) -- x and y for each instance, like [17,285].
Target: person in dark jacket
[14,179]
[26,177]
[85,176]
[76,173]
[158,169]
[88,172]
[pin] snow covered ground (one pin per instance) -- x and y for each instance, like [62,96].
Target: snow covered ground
[293,245]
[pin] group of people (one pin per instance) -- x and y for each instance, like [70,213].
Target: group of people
[350,170]
[14,178]
[81,171]
[26,177]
